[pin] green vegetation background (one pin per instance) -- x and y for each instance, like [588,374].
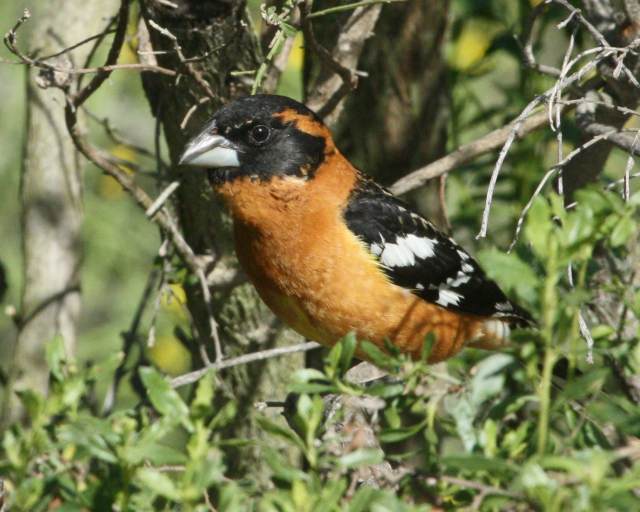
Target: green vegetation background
[490,435]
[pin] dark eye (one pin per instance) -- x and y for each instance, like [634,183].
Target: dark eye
[259,134]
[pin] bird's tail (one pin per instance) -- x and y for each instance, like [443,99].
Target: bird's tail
[494,333]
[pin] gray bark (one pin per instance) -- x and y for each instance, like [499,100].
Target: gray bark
[396,120]
[218,31]
[51,194]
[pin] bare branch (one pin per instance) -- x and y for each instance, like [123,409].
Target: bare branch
[469,152]
[261,355]
[621,138]
[161,199]
[112,57]
[328,95]
[526,42]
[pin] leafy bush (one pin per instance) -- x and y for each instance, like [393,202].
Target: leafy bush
[534,427]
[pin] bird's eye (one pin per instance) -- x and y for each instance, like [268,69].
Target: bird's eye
[259,134]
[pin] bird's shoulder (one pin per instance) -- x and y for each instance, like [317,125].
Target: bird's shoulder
[415,255]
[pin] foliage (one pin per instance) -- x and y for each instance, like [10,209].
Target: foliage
[513,427]
[549,424]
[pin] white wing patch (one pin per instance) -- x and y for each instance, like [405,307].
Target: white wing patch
[467,268]
[447,297]
[460,279]
[403,253]
[376,249]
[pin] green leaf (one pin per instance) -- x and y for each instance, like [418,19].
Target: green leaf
[349,343]
[472,462]
[309,415]
[224,416]
[55,356]
[489,376]
[427,346]
[377,356]
[464,411]
[394,435]
[623,230]
[28,493]
[510,272]
[280,431]
[578,225]
[73,389]
[361,457]
[308,375]
[538,226]
[164,398]
[12,451]
[281,468]
[33,402]
[385,389]
[158,482]
[594,199]
[203,401]
[154,453]
[590,382]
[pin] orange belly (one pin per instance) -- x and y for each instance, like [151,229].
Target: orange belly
[326,290]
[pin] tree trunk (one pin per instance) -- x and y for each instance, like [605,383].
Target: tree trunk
[51,194]
[219,31]
[397,119]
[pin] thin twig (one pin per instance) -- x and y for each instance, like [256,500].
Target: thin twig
[101,72]
[527,43]
[348,76]
[83,94]
[184,62]
[78,44]
[350,7]
[467,153]
[621,138]
[601,54]
[213,325]
[626,194]
[192,111]
[129,337]
[546,177]
[192,377]
[117,138]
[161,199]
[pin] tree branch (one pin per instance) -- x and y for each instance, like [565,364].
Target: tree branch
[189,378]
[329,93]
[468,153]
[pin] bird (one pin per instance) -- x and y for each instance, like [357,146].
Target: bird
[332,252]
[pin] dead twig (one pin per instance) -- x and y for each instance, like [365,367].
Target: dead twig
[545,179]
[161,199]
[129,338]
[101,72]
[184,62]
[468,153]
[526,43]
[155,209]
[329,94]
[189,378]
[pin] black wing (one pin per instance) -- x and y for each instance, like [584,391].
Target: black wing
[416,256]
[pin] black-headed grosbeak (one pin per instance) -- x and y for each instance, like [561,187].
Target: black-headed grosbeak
[329,250]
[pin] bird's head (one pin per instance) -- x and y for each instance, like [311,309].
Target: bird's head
[260,137]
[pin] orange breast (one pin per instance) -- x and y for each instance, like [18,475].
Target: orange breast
[319,278]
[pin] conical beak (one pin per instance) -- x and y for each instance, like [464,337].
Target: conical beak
[210,150]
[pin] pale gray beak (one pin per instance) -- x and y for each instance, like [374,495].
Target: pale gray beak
[210,150]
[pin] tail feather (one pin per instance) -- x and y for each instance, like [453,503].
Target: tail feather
[494,332]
